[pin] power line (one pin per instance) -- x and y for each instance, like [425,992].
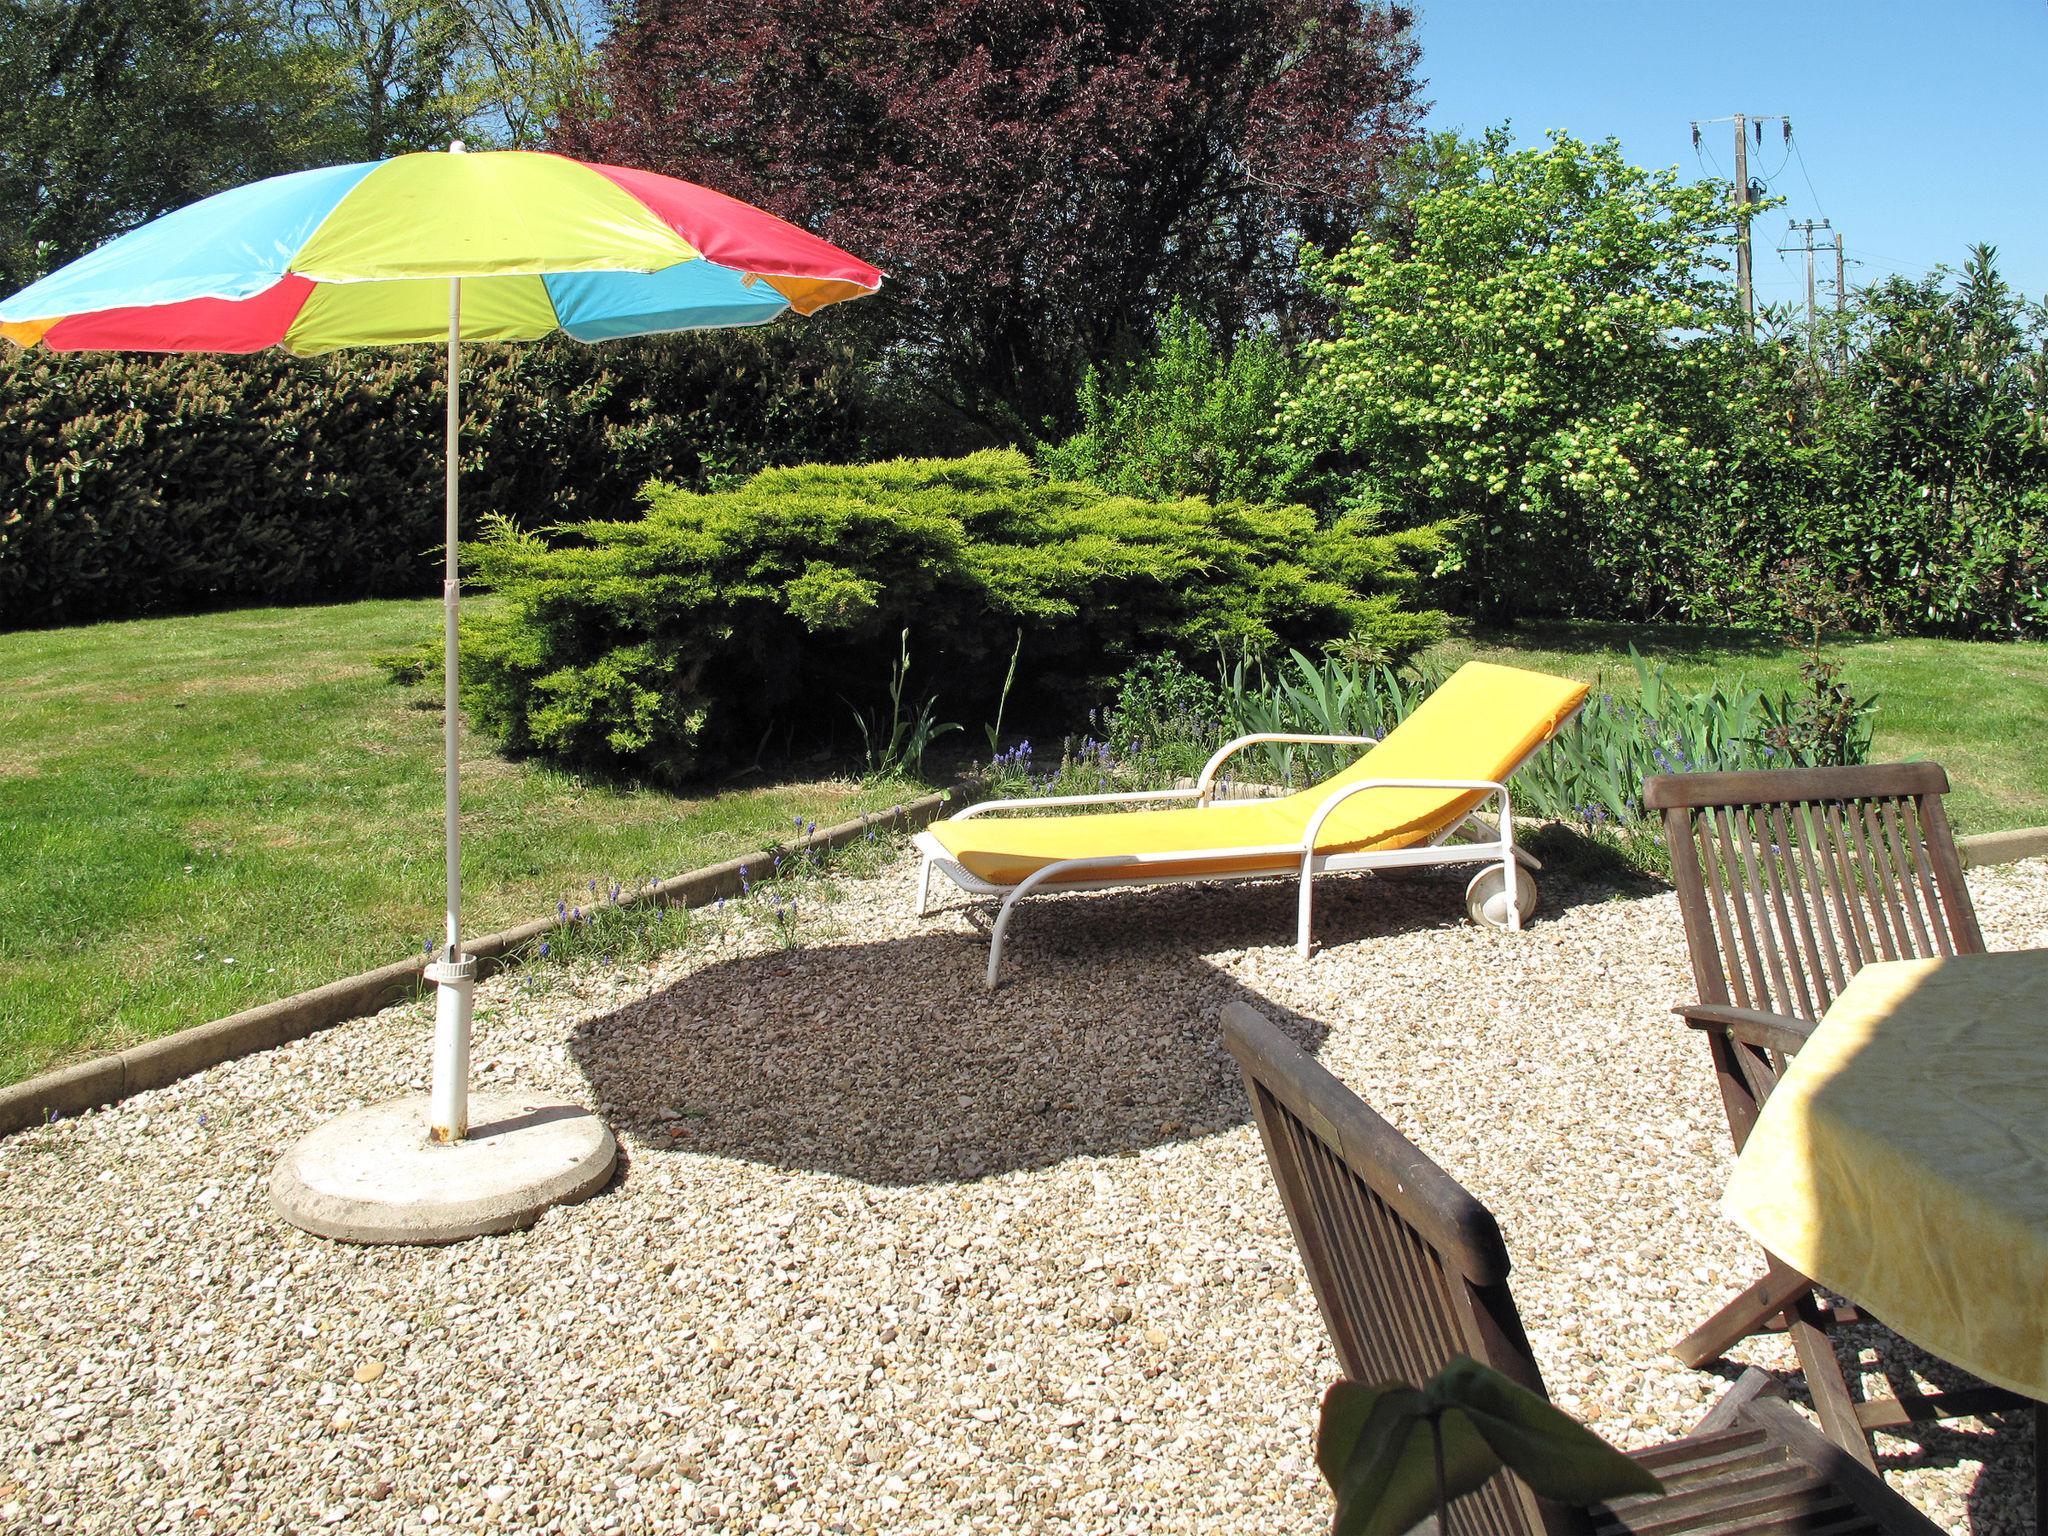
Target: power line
[1803,176]
[1783,161]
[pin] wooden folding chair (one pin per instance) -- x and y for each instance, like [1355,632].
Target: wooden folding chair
[1789,882]
[1410,1270]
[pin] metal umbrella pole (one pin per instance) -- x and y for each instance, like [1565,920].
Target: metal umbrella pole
[454,973]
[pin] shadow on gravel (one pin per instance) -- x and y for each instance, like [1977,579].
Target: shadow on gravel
[2000,1500]
[2003,1443]
[888,1062]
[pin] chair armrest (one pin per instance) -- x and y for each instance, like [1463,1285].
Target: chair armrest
[1121,797]
[1767,1031]
[1205,781]
[1338,796]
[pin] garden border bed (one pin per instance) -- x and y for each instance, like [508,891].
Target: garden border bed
[109,1078]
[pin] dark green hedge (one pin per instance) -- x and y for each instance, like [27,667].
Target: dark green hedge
[133,484]
[680,641]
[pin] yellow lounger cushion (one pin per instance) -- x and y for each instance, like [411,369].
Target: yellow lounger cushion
[1479,725]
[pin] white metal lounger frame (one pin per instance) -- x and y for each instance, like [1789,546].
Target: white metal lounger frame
[1132,869]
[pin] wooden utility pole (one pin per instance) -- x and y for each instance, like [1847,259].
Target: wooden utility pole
[1811,318]
[1743,295]
[1745,123]
[1841,303]
[1792,227]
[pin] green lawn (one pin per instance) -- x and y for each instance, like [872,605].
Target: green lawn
[199,814]
[1979,709]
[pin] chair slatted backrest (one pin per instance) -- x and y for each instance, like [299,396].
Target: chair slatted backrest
[1408,1267]
[1791,881]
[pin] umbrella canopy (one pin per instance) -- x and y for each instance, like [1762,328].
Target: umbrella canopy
[504,245]
[361,255]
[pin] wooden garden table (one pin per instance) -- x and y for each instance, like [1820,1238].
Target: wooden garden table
[1902,1159]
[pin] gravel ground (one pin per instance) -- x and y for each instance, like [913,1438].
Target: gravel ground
[888,1254]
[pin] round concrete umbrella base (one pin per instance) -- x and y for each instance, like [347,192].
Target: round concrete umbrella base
[371,1175]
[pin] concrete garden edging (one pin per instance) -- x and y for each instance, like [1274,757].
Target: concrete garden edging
[2002,847]
[107,1079]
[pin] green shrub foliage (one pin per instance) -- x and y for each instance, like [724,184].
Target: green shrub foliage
[685,639]
[1532,356]
[1551,352]
[1186,419]
[133,484]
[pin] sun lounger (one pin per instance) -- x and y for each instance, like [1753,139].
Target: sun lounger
[1403,804]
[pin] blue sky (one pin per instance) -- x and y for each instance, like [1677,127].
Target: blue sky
[1923,127]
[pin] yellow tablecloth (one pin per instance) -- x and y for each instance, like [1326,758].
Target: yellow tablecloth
[1902,1161]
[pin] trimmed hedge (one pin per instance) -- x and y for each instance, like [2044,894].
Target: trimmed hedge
[685,640]
[132,484]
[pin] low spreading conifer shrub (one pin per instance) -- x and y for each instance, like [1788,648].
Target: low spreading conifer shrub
[715,624]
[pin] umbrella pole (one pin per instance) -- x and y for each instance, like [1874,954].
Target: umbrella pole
[454,974]
[369,1176]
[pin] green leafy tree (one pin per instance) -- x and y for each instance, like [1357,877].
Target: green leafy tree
[391,71]
[1901,466]
[117,111]
[529,62]
[412,74]
[1539,357]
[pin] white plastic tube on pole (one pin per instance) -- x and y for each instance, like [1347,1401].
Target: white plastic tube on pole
[454,973]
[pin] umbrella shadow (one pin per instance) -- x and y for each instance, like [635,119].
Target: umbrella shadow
[888,1062]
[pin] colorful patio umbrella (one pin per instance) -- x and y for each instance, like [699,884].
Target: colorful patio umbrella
[495,246]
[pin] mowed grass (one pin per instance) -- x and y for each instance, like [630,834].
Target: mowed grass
[201,814]
[1978,708]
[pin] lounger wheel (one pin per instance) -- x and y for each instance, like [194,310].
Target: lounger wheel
[1486,898]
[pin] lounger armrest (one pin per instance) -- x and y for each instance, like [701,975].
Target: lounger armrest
[1345,792]
[1205,784]
[1751,1026]
[1122,797]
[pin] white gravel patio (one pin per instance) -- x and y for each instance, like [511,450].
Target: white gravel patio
[889,1254]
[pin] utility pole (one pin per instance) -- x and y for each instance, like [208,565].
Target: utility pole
[1743,294]
[1795,227]
[1841,303]
[1745,124]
